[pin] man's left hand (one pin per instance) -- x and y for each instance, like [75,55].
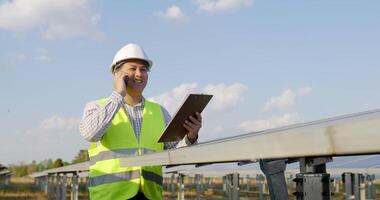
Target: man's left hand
[192,125]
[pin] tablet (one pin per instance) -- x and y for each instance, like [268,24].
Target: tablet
[193,103]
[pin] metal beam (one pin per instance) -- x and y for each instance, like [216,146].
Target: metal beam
[346,135]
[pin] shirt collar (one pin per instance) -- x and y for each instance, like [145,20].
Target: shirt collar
[139,105]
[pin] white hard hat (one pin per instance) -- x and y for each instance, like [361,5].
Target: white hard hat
[131,51]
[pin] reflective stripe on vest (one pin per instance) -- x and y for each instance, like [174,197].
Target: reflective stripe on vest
[111,178]
[125,176]
[118,153]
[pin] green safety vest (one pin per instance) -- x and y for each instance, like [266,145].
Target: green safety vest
[107,179]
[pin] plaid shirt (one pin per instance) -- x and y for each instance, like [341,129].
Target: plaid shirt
[96,119]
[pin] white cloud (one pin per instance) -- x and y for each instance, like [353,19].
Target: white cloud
[209,132]
[215,130]
[304,91]
[282,102]
[213,6]
[272,122]
[172,99]
[10,60]
[212,131]
[55,126]
[42,58]
[17,57]
[225,96]
[286,99]
[173,13]
[62,19]
[59,124]
[40,55]
[53,137]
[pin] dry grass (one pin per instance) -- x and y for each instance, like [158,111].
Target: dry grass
[21,188]
[22,195]
[21,180]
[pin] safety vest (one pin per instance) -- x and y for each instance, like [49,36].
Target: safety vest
[107,179]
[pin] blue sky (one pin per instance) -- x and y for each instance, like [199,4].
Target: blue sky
[268,63]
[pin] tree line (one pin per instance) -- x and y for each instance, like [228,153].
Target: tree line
[23,169]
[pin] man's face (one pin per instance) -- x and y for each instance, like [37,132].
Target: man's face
[137,72]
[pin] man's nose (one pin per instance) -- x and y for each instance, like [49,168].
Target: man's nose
[138,72]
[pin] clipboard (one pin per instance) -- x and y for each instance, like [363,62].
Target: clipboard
[192,104]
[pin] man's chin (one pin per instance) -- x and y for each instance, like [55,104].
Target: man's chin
[137,90]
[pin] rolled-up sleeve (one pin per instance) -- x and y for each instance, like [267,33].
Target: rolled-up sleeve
[96,118]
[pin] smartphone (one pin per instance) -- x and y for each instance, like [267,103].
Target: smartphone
[126,78]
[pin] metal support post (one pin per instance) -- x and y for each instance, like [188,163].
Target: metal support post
[235,186]
[74,187]
[260,185]
[224,187]
[370,189]
[348,186]
[201,181]
[172,185]
[181,187]
[274,172]
[313,183]
[49,185]
[211,182]
[198,185]
[44,184]
[85,180]
[41,183]
[353,187]
[232,186]
[336,185]
[361,186]
[357,186]
[52,186]
[207,183]
[227,186]
[247,187]
[193,182]
[63,186]
[56,186]
[37,181]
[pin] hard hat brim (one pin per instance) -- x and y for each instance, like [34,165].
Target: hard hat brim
[149,62]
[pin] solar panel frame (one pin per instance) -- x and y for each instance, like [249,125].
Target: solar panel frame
[354,134]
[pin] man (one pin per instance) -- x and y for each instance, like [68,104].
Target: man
[125,124]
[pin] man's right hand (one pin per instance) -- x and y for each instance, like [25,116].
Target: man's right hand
[119,84]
